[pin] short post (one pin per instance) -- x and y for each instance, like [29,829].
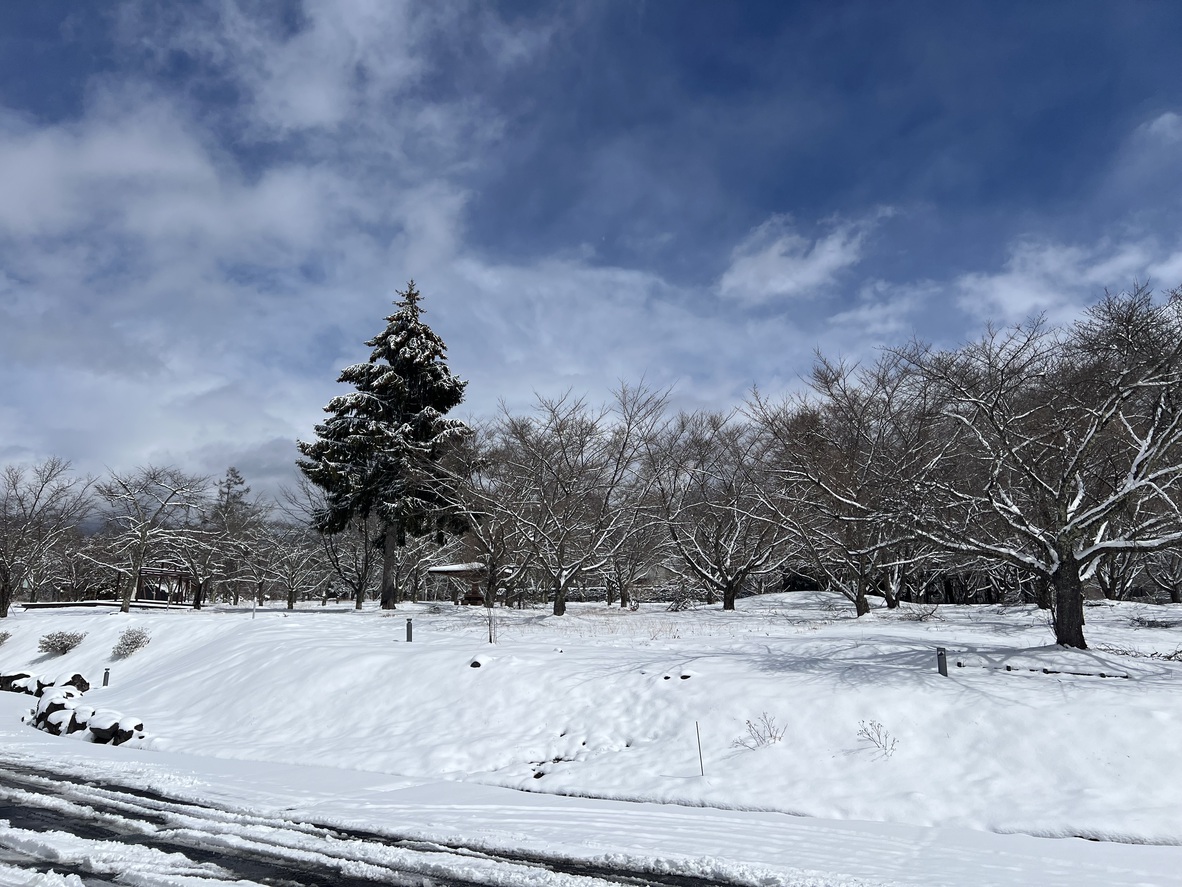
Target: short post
[942,661]
[409,630]
[701,763]
[106,676]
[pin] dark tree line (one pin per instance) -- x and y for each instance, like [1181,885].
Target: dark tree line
[1032,464]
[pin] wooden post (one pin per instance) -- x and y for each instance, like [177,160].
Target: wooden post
[942,661]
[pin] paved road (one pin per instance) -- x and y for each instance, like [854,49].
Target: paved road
[109,834]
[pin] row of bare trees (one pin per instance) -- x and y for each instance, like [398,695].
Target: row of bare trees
[77,538]
[1025,465]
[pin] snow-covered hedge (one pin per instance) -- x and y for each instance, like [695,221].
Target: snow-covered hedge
[60,641]
[131,640]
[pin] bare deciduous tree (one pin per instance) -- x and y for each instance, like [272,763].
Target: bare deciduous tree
[145,513]
[1164,569]
[1074,437]
[479,480]
[571,465]
[39,505]
[707,471]
[840,463]
[352,554]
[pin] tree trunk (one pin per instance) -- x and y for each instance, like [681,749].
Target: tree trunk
[291,596]
[198,595]
[625,596]
[5,598]
[861,604]
[130,589]
[1069,611]
[728,597]
[390,568]
[559,600]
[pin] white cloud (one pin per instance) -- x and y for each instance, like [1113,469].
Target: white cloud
[775,261]
[1059,280]
[1143,241]
[1166,271]
[1166,128]
[885,313]
[342,61]
[162,298]
[1144,173]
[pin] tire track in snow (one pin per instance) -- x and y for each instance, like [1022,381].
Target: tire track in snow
[236,846]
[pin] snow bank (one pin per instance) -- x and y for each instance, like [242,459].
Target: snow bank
[609,704]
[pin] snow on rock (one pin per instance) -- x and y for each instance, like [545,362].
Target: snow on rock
[14,683]
[110,726]
[59,710]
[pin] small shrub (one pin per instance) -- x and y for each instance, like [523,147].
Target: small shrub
[4,635]
[877,736]
[761,733]
[1149,622]
[921,613]
[60,641]
[131,640]
[1116,650]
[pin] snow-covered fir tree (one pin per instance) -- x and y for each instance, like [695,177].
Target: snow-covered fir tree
[375,455]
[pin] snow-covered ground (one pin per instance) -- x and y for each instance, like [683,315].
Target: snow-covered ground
[894,773]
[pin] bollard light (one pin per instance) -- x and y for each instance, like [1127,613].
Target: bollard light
[106,676]
[409,630]
[942,661]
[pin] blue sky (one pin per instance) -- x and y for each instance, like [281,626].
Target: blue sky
[208,206]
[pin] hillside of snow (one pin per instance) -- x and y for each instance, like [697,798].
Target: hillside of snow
[608,703]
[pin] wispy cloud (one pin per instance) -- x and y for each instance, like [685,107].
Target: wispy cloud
[776,261]
[1058,280]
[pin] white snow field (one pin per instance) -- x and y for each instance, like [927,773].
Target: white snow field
[576,737]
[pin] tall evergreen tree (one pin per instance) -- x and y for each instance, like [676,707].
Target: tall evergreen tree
[375,455]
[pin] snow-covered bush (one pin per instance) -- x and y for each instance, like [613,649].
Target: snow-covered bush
[4,635]
[60,641]
[131,640]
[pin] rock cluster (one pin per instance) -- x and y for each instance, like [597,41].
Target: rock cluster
[61,711]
